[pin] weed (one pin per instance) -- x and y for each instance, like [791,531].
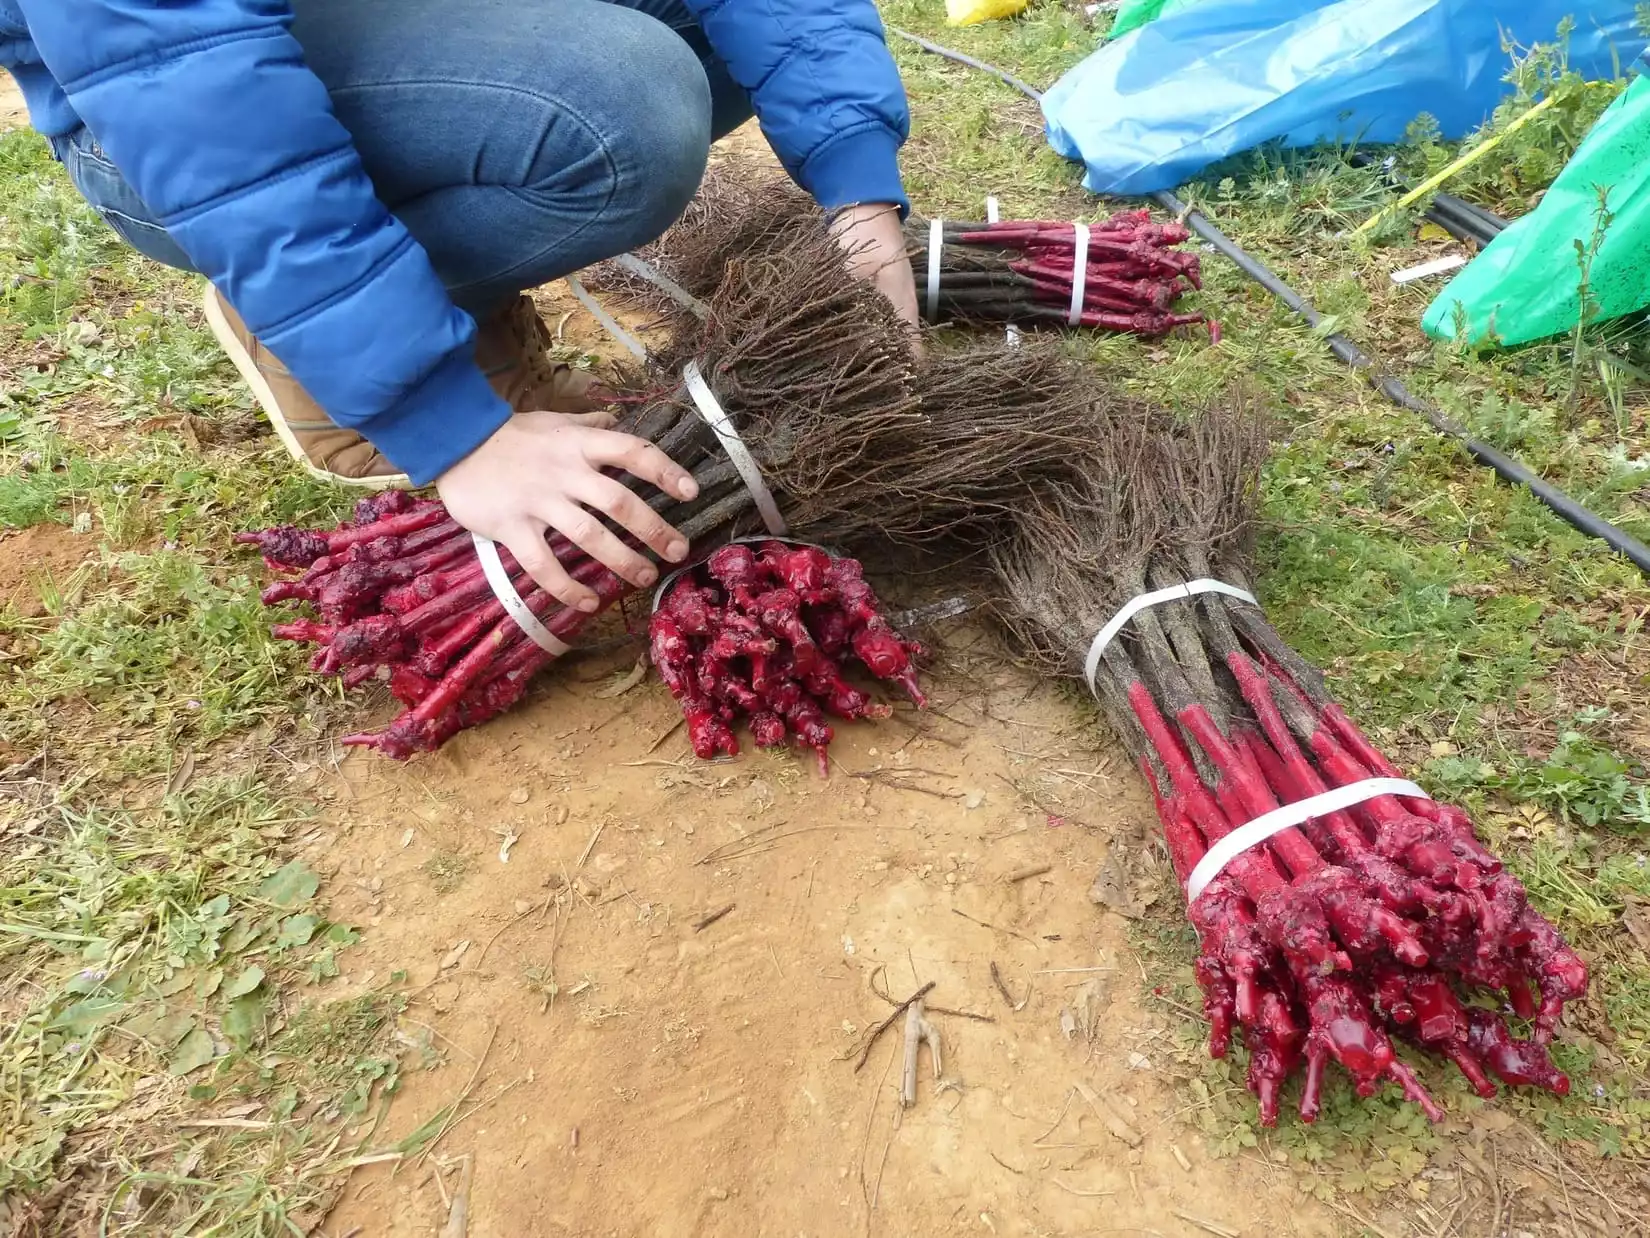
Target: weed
[447,870]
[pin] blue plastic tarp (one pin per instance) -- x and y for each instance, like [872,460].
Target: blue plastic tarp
[1153,109]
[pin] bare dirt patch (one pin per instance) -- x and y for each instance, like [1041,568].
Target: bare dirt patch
[624,1071]
[14,114]
[35,557]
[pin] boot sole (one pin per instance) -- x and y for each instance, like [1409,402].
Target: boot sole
[265,396]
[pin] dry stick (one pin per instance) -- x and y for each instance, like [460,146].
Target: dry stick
[927,1007]
[1212,1227]
[1002,987]
[706,921]
[913,1043]
[995,928]
[1026,874]
[880,1028]
[464,1094]
[458,1216]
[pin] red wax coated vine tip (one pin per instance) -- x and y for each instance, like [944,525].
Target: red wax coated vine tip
[760,636]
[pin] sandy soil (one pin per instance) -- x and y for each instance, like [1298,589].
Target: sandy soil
[13,115]
[35,559]
[626,1072]
[647,1017]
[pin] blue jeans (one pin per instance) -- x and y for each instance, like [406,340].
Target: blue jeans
[517,140]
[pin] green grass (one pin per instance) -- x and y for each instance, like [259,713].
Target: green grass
[161,954]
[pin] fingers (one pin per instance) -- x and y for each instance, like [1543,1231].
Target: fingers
[590,535]
[596,419]
[533,553]
[623,506]
[641,459]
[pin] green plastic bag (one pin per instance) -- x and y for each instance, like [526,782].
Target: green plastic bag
[1135,13]
[1526,284]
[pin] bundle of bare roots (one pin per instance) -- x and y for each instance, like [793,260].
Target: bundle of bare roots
[1133,272]
[1374,915]
[854,442]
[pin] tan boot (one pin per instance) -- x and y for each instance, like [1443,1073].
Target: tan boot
[326,450]
[512,348]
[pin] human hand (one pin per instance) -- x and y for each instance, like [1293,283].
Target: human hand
[874,241]
[543,471]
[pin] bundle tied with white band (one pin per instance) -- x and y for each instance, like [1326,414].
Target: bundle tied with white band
[712,413]
[1253,833]
[1079,268]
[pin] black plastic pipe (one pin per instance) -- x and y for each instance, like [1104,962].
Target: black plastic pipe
[1509,469]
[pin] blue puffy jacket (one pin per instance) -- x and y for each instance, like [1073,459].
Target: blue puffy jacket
[232,144]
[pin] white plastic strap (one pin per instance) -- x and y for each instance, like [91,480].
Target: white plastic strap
[1134,606]
[493,567]
[1079,273]
[718,420]
[644,269]
[992,215]
[1264,826]
[607,320]
[936,242]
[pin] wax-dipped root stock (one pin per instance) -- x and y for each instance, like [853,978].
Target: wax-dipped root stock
[761,634]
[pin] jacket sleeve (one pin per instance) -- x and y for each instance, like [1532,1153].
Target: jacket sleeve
[209,111]
[824,88]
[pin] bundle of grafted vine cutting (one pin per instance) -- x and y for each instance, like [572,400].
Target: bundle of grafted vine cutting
[1377,912]
[1018,271]
[1023,271]
[851,439]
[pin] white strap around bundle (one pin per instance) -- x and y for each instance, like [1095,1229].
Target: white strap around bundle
[1131,608]
[1079,273]
[646,270]
[936,242]
[716,417]
[992,215]
[493,567]
[607,320]
[1264,826]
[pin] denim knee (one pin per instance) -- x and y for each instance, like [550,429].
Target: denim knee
[653,124]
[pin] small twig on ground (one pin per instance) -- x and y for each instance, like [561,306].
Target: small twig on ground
[458,1216]
[877,1031]
[1026,874]
[927,1009]
[654,746]
[588,848]
[995,928]
[1003,1163]
[1064,1109]
[1084,1194]
[918,1031]
[1002,987]
[1115,1122]
[704,922]
[482,957]
[1348,1211]
[1212,1227]
[464,1095]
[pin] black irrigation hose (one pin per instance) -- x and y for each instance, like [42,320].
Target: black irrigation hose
[1465,221]
[1505,466]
